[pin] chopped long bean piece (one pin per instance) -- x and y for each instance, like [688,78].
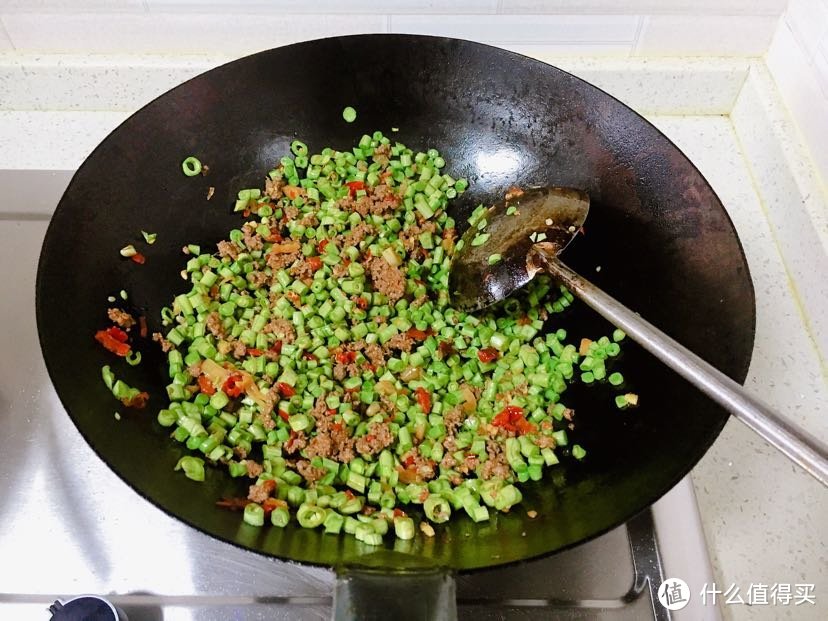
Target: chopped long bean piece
[191,166]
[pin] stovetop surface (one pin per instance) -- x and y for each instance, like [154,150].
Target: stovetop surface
[71,526]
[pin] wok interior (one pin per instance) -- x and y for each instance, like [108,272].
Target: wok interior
[664,244]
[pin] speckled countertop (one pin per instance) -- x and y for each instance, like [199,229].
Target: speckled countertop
[765,521]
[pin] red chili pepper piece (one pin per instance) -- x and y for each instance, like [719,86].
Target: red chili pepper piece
[309,356]
[446,348]
[315,263]
[205,385]
[362,303]
[511,419]
[272,503]
[292,192]
[523,426]
[345,357]
[286,389]
[117,334]
[419,335]
[284,415]
[487,355]
[233,385]
[399,513]
[254,352]
[320,247]
[354,187]
[110,343]
[423,399]
[276,347]
[138,258]
[504,418]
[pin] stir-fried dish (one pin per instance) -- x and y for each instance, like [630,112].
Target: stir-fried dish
[317,354]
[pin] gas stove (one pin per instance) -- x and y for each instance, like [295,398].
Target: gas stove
[71,527]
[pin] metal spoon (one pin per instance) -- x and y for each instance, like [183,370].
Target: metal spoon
[529,238]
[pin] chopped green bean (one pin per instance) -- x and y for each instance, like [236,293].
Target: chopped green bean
[480,239]
[404,527]
[193,467]
[191,166]
[280,517]
[254,514]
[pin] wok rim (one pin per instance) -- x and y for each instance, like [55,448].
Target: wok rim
[654,494]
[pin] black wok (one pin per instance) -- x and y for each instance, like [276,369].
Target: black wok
[665,245]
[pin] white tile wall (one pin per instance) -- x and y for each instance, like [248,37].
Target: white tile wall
[524,29]
[559,27]
[5,42]
[820,60]
[628,7]
[77,6]
[646,7]
[176,33]
[808,20]
[350,7]
[691,35]
[798,61]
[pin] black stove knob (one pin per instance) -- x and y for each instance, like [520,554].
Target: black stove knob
[86,608]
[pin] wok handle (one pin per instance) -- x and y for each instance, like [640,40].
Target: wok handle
[793,441]
[372,593]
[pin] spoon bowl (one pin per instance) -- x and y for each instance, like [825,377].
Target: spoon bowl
[493,261]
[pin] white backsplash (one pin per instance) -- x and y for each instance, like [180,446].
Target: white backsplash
[559,27]
[798,61]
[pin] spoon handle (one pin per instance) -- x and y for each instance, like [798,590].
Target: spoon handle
[796,443]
